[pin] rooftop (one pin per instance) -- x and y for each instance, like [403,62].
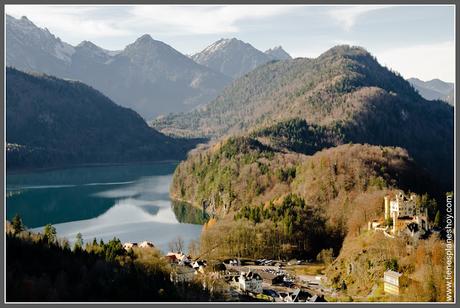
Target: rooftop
[393,274]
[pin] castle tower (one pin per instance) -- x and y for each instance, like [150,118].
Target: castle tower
[394,222]
[387,207]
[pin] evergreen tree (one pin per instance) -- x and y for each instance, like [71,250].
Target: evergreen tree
[437,219]
[17,224]
[79,242]
[50,233]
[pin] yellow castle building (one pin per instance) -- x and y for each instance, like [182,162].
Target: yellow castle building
[403,207]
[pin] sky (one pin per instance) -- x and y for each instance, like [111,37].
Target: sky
[414,40]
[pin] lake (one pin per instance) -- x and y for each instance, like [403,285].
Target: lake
[130,202]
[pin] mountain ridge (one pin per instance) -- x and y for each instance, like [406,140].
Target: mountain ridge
[129,83]
[235,58]
[278,53]
[434,89]
[345,91]
[51,122]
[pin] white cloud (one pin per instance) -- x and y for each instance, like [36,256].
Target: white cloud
[70,22]
[422,61]
[347,16]
[92,22]
[196,19]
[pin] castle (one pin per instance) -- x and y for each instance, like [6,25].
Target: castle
[403,212]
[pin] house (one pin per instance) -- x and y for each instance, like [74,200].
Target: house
[178,257]
[128,246]
[391,282]
[290,297]
[250,282]
[146,244]
[271,279]
[316,299]
[171,258]
[199,265]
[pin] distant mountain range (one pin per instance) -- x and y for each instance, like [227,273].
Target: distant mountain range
[278,53]
[344,96]
[235,58]
[300,104]
[148,76]
[52,122]
[434,89]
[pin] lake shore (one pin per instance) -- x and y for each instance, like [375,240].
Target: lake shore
[127,201]
[74,166]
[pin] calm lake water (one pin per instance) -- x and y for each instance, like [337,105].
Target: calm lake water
[130,202]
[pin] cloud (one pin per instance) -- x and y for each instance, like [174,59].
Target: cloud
[70,21]
[426,61]
[347,16]
[99,21]
[196,19]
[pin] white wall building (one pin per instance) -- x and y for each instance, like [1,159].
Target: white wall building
[250,282]
[403,206]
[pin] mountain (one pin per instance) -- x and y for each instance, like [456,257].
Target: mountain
[239,171]
[231,57]
[434,89]
[309,202]
[148,76]
[52,122]
[345,92]
[34,49]
[299,206]
[449,97]
[304,152]
[278,53]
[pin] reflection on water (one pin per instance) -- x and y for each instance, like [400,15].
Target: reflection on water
[128,202]
[186,213]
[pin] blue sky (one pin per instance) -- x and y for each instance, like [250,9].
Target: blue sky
[413,40]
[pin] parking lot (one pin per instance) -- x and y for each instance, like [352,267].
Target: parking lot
[296,275]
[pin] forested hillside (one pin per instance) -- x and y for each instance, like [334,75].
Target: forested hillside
[245,184]
[277,204]
[53,122]
[42,267]
[345,93]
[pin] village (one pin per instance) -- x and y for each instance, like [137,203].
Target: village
[293,280]
[256,280]
[266,280]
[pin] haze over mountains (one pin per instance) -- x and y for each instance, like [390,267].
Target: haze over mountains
[301,153]
[53,122]
[148,76]
[344,92]
[434,89]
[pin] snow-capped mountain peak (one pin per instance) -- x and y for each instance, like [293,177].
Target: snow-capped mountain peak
[231,56]
[25,31]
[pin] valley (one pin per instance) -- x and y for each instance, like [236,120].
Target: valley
[247,175]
